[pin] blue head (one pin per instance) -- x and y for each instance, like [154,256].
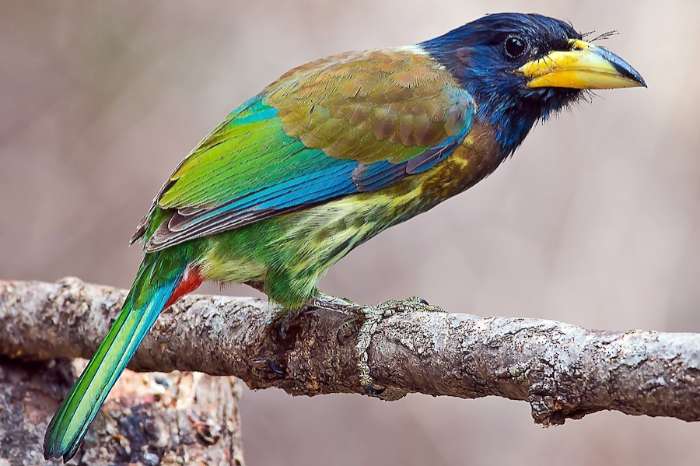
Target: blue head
[521,68]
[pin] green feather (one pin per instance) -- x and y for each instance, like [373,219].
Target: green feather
[155,282]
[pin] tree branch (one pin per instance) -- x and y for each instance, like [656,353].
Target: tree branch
[561,370]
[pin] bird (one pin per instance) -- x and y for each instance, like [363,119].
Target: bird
[328,156]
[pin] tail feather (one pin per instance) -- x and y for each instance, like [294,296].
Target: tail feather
[155,283]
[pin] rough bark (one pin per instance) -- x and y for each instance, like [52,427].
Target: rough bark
[149,419]
[561,370]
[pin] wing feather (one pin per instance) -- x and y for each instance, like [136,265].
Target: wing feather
[349,124]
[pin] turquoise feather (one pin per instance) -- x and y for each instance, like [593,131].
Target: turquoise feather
[155,282]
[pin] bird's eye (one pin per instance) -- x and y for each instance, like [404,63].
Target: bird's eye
[515,47]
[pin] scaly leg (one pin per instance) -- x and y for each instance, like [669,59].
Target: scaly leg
[372,317]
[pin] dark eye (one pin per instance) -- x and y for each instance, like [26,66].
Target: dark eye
[515,47]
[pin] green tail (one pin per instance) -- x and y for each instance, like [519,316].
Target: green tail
[157,278]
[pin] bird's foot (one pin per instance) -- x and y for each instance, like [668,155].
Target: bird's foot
[372,316]
[412,304]
[284,325]
[268,368]
[325,301]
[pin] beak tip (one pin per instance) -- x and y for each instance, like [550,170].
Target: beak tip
[636,77]
[642,82]
[625,69]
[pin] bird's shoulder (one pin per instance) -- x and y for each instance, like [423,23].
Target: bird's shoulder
[365,105]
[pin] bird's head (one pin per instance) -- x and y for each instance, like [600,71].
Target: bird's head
[521,68]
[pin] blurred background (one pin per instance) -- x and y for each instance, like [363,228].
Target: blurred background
[594,222]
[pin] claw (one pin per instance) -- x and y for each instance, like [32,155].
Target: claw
[374,391]
[276,368]
[283,325]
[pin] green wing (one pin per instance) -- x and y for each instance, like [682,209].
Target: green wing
[355,123]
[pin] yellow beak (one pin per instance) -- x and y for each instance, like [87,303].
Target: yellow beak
[585,66]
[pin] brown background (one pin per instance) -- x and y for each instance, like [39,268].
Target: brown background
[594,222]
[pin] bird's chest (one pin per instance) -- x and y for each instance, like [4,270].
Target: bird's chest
[478,156]
[320,236]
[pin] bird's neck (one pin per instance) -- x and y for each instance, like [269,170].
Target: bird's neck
[511,122]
